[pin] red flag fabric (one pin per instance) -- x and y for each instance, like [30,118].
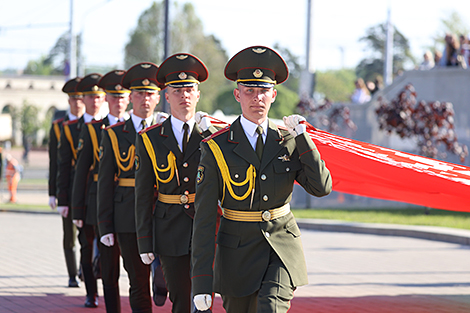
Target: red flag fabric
[369,170]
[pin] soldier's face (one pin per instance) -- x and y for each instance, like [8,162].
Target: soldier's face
[117,104]
[93,103]
[76,105]
[144,102]
[183,101]
[255,102]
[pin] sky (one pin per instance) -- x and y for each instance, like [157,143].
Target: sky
[30,28]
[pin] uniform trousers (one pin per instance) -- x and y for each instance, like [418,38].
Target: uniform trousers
[110,266]
[176,270]
[138,273]
[86,235]
[274,294]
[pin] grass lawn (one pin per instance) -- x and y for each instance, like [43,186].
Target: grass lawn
[411,216]
[25,207]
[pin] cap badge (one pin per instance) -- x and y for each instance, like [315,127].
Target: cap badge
[118,87]
[95,76]
[181,57]
[145,65]
[119,73]
[145,82]
[95,88]
[182,75]
[259,50]
[258,73]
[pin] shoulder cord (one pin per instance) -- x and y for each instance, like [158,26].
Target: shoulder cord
[96,147]
[130,153]
[225,172]
[57,131]
[68,134]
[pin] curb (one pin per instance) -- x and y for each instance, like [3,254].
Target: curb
[452,235]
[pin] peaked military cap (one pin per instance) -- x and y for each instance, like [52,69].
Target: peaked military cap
[142,76]
[182,70]
[69,88]
[111,83]
[257,66]
[89,85]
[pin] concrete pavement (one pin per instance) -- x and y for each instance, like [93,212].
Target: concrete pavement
[348,272]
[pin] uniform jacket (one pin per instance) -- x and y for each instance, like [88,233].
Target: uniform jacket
[67,157]
[243,248]
[84,202]
[163,228]
[116,212]
[54,137]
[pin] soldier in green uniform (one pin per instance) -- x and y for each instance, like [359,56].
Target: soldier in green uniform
[167,156]
[116,212]
[250,167]
[93,97]
[76,110]
[84,198]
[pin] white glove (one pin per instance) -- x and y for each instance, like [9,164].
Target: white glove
[52,202]
[78,223]
[147,258]
[63,210]
[202,302]
[161,117]
[202,120]
[107,240]
[293,125]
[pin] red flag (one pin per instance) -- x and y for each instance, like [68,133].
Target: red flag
[372,171]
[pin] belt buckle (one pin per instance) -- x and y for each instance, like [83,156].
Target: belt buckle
[266,216]
[184,199]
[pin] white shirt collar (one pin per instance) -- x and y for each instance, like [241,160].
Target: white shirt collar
[113,119]
[250,128]
[137,121]
[178,131]
[72,117]
[87,117]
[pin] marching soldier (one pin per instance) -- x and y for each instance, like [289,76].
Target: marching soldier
[250,167]
[167,155]
[93,97]
[76,110]
[84,199]
[116,212]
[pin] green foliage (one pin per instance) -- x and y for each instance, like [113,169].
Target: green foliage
[295,69]
[285,104]
[53,63]
[336,85]
[30,123]
[375,39]
[39,67]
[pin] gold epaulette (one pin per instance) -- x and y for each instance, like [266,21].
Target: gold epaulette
[217,133]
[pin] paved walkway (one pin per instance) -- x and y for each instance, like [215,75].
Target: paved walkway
[347,272]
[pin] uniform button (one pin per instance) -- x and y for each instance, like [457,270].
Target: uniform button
[186,206]
[287,169]
[236,176]
[186,179]
[163,165]
[185,164]
[263,177]
[186,192]
[267,234]
[265,198]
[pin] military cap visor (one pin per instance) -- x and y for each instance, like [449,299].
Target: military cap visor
[89,85]
[111,83]
[257,66]
[69,88]
[142,77]
[182,70]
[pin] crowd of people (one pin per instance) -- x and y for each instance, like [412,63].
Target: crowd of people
[205,209]
[456,53]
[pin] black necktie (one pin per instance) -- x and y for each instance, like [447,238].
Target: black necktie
[144,124]
[185,136]
[259,142]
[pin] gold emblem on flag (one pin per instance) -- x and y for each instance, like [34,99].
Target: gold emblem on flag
[258,73]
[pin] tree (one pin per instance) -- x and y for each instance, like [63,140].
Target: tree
[53,63]
[375,39]
[336,85]
[295,69]
[186,35]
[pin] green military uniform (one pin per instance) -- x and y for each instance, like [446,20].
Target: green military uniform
[258,240]
[116,198]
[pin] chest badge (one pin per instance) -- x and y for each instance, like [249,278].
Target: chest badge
[284,158]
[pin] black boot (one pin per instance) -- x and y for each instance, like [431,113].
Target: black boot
[112,300]
[158,284]
[90,286]
[71,262]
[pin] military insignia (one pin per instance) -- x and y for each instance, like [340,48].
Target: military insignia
[95,88]
[146,65]
[100,155]
[137,162]
[80,144]
[119,73]
[145,82]
[181,57]
[259,50]
[200,174]
[258,73]
[118,87]
[182,75]
[95,76]
[284,158]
